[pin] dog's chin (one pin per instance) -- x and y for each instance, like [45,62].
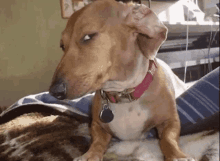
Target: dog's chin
[72,96]
[80,92]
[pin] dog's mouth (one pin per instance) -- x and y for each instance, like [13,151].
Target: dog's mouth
[67,89]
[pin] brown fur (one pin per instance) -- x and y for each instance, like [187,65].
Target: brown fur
[123,33]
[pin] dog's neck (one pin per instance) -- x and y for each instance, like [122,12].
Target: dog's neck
[131,82]
[131,94]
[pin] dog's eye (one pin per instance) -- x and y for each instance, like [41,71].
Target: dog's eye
[88,37]
[62,46]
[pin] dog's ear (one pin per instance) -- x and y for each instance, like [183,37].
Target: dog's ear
[151,31]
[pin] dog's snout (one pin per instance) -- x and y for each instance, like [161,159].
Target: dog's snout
[58,90]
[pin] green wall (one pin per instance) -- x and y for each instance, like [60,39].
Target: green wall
[30,32]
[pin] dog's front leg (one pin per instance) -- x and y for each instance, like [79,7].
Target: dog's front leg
[100,141]
[169,135]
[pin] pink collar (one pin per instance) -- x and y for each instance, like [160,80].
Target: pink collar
[132,94]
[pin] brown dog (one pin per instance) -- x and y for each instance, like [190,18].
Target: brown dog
[110,47]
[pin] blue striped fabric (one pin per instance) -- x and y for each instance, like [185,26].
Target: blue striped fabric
[201,100]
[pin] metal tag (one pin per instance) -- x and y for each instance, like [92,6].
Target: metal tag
[106,114]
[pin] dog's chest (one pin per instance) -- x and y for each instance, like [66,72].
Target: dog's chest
[129,120]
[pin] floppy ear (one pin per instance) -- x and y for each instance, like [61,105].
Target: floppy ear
[152,32]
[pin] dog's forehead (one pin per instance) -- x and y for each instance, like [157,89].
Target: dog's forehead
[103,9]
[93,15]
[72,20]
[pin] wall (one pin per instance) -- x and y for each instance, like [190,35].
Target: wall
[29,47]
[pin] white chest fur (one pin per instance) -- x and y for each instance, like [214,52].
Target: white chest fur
[129,120]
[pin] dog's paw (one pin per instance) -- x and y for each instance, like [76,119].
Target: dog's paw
[184,159]
[88,157]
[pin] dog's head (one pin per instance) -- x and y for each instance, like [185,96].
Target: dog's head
[101,43]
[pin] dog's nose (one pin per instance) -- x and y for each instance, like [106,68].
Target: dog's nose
[58,90]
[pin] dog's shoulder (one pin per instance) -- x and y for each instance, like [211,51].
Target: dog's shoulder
[178,84]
